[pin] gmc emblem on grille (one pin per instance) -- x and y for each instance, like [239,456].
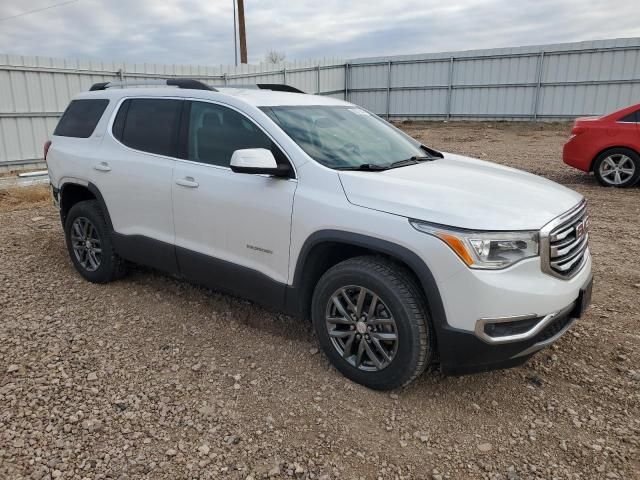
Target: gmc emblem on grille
[582,228]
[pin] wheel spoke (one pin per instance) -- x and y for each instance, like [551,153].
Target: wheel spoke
[360,353]
[340,321]
[350,304]
[617,178]
[77,230]
[349,345]
[372,356]
[384,336]
[380,348]
[93,263]
[360,302]
[372,306]
[609,161]
[340,333]
[381,321]
[340,308]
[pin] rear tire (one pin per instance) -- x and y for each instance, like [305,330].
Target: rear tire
[90,245]
[617,167]
[371,319]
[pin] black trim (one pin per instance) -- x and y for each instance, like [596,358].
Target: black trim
[469,354]
[231,278]
[186,83]
[281,170]
[189,83]
[278,87]
[96,193]
[146,251]
[99,86]
[182,147]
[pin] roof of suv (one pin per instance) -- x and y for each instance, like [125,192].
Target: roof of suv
[252,96]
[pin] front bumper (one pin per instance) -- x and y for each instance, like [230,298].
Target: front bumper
[463,352]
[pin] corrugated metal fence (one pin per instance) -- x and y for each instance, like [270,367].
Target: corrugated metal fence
[550,82]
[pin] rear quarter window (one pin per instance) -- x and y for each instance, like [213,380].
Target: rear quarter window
[80,118]
[149,125]
[631,118]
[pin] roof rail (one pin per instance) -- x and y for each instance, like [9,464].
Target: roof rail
[276,87]
[187,83]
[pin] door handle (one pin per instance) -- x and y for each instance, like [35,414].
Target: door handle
[102,167]
[188,182]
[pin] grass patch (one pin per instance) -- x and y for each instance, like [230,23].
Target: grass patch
[16,198]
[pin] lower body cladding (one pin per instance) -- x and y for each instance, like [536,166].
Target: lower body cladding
[503,342]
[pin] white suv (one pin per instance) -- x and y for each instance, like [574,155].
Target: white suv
[402,256]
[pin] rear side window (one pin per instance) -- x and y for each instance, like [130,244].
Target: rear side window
[632,117]
[149,125]
[80,118]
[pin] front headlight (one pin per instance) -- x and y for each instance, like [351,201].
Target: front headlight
[484,250]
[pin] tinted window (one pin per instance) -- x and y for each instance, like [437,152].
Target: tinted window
[80,118]
[148,124]
[632,117]
[215,132]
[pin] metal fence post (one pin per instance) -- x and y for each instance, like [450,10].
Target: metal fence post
[224,77]
[284,75]
[538,84]
[388,89]
[450,87]
[318,78]
[121,74]
[346,82]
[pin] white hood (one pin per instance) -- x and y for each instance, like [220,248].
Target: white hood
[461,192]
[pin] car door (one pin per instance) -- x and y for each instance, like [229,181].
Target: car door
[232,229]
[134,176]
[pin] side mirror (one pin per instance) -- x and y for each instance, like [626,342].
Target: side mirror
[257,161]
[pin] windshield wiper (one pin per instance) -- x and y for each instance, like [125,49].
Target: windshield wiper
[365,167]
[410,161]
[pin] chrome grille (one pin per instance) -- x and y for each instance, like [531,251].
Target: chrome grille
[564,242]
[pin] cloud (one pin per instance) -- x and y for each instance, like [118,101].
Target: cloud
[201,32]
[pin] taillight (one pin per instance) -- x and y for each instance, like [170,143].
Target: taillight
[575,131]
[47,144]
[578,129]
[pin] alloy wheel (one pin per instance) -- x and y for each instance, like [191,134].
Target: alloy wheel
[86,244]
[362,328]
[617,169]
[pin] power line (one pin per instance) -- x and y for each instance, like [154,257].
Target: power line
[37,10]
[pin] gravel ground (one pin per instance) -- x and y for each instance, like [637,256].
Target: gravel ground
[150,377]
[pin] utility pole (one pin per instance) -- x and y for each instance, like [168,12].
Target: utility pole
[235,33]
[243,33]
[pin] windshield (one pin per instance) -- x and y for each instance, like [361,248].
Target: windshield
[344,136]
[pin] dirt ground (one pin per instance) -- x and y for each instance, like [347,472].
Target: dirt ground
[150,377]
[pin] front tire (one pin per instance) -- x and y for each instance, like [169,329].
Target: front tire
[371,319]
[617,167]
[89,243]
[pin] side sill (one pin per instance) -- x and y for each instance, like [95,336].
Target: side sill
[231,278]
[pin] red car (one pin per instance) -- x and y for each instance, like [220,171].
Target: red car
[608,146]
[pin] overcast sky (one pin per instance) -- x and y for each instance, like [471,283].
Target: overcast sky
[201,31]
